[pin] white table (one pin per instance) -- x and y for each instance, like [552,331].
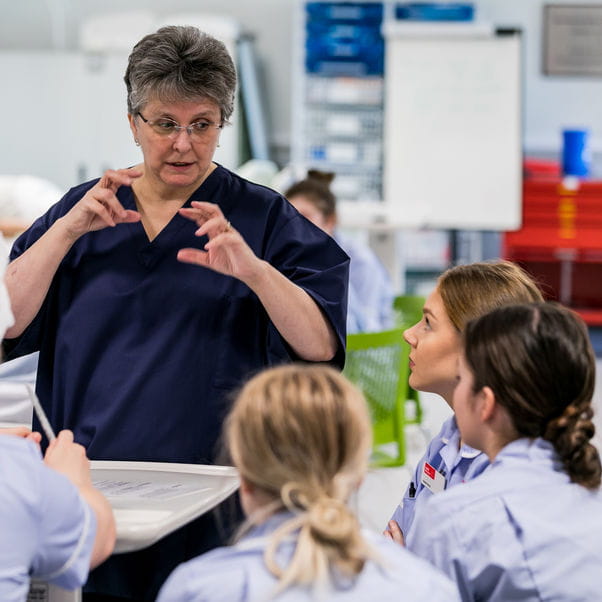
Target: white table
[150,500]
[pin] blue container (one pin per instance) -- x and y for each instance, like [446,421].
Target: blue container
[576,156]
[345,12]
[430,11]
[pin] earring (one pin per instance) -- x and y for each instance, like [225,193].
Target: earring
[137,141]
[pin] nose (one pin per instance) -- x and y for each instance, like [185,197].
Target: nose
[409,335]
[182,142]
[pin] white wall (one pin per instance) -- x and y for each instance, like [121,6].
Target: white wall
[54,23]
[551,103]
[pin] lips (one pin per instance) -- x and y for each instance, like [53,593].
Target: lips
[179,164]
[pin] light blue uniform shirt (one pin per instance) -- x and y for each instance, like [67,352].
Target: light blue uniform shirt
[238,573]
[46,530]
[521,531]
[457,464]
[370,296]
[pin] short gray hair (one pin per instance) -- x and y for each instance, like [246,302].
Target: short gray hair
[180,63]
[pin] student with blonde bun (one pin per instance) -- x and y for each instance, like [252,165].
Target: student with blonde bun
[462,293]
[529,528]
[301,436]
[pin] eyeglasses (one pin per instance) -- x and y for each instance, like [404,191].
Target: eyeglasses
[199,130]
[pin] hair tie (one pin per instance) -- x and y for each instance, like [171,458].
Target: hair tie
[330,520]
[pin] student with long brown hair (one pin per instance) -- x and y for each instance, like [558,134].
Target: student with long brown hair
[301,436]
[462,293]
[529,527]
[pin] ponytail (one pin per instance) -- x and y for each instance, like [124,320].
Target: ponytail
[570,434]
[329,537]
[302,436]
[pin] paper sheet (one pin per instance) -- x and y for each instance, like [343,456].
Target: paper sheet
[144,490]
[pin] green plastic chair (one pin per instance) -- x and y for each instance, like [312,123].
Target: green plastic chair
[377,363]
[407,309]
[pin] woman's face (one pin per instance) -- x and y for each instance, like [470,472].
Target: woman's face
[180,160]
[435,349]
[310,211]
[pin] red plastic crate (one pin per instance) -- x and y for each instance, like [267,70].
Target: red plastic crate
[560,242]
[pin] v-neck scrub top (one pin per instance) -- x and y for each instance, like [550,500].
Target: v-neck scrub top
[140,353]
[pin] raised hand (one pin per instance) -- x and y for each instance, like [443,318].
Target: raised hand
[99,208]
[226,252]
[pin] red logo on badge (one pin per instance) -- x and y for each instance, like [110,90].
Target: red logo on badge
[429,471]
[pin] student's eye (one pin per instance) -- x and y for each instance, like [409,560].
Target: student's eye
[427,322]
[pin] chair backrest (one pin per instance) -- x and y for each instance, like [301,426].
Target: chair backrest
[408,309]
[377,363]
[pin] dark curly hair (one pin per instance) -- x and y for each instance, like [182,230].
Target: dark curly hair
[538,360]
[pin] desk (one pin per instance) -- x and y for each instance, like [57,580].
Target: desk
[149,501]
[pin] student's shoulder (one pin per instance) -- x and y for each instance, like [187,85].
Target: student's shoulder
[219,575]
[406,572]
[21,474]
[465,508]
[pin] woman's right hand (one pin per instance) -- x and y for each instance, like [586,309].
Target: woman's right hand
[100,208]
[69,458]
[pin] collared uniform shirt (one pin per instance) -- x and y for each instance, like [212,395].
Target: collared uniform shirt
[444,454]
[239,574]
[46,529]
[521,531]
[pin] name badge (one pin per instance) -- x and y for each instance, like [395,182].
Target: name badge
[432,479]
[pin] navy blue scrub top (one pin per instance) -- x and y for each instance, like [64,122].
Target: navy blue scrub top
[140,353]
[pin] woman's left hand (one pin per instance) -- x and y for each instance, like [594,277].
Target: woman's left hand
[226,252]
[292,311]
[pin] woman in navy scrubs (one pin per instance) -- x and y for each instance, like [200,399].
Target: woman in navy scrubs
[154,291]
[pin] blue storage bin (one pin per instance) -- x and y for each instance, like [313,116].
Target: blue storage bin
[345,12]
[342,31]
[330,57]
[430,11]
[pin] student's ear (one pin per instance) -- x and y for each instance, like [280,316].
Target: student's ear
[487,404]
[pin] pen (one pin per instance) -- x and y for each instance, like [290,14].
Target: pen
[412,490]
[39,410]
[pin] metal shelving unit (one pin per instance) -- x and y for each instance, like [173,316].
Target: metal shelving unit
[338,96]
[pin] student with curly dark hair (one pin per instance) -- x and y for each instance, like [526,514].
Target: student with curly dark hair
[529,527]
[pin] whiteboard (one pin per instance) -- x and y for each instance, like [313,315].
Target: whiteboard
[453,127]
